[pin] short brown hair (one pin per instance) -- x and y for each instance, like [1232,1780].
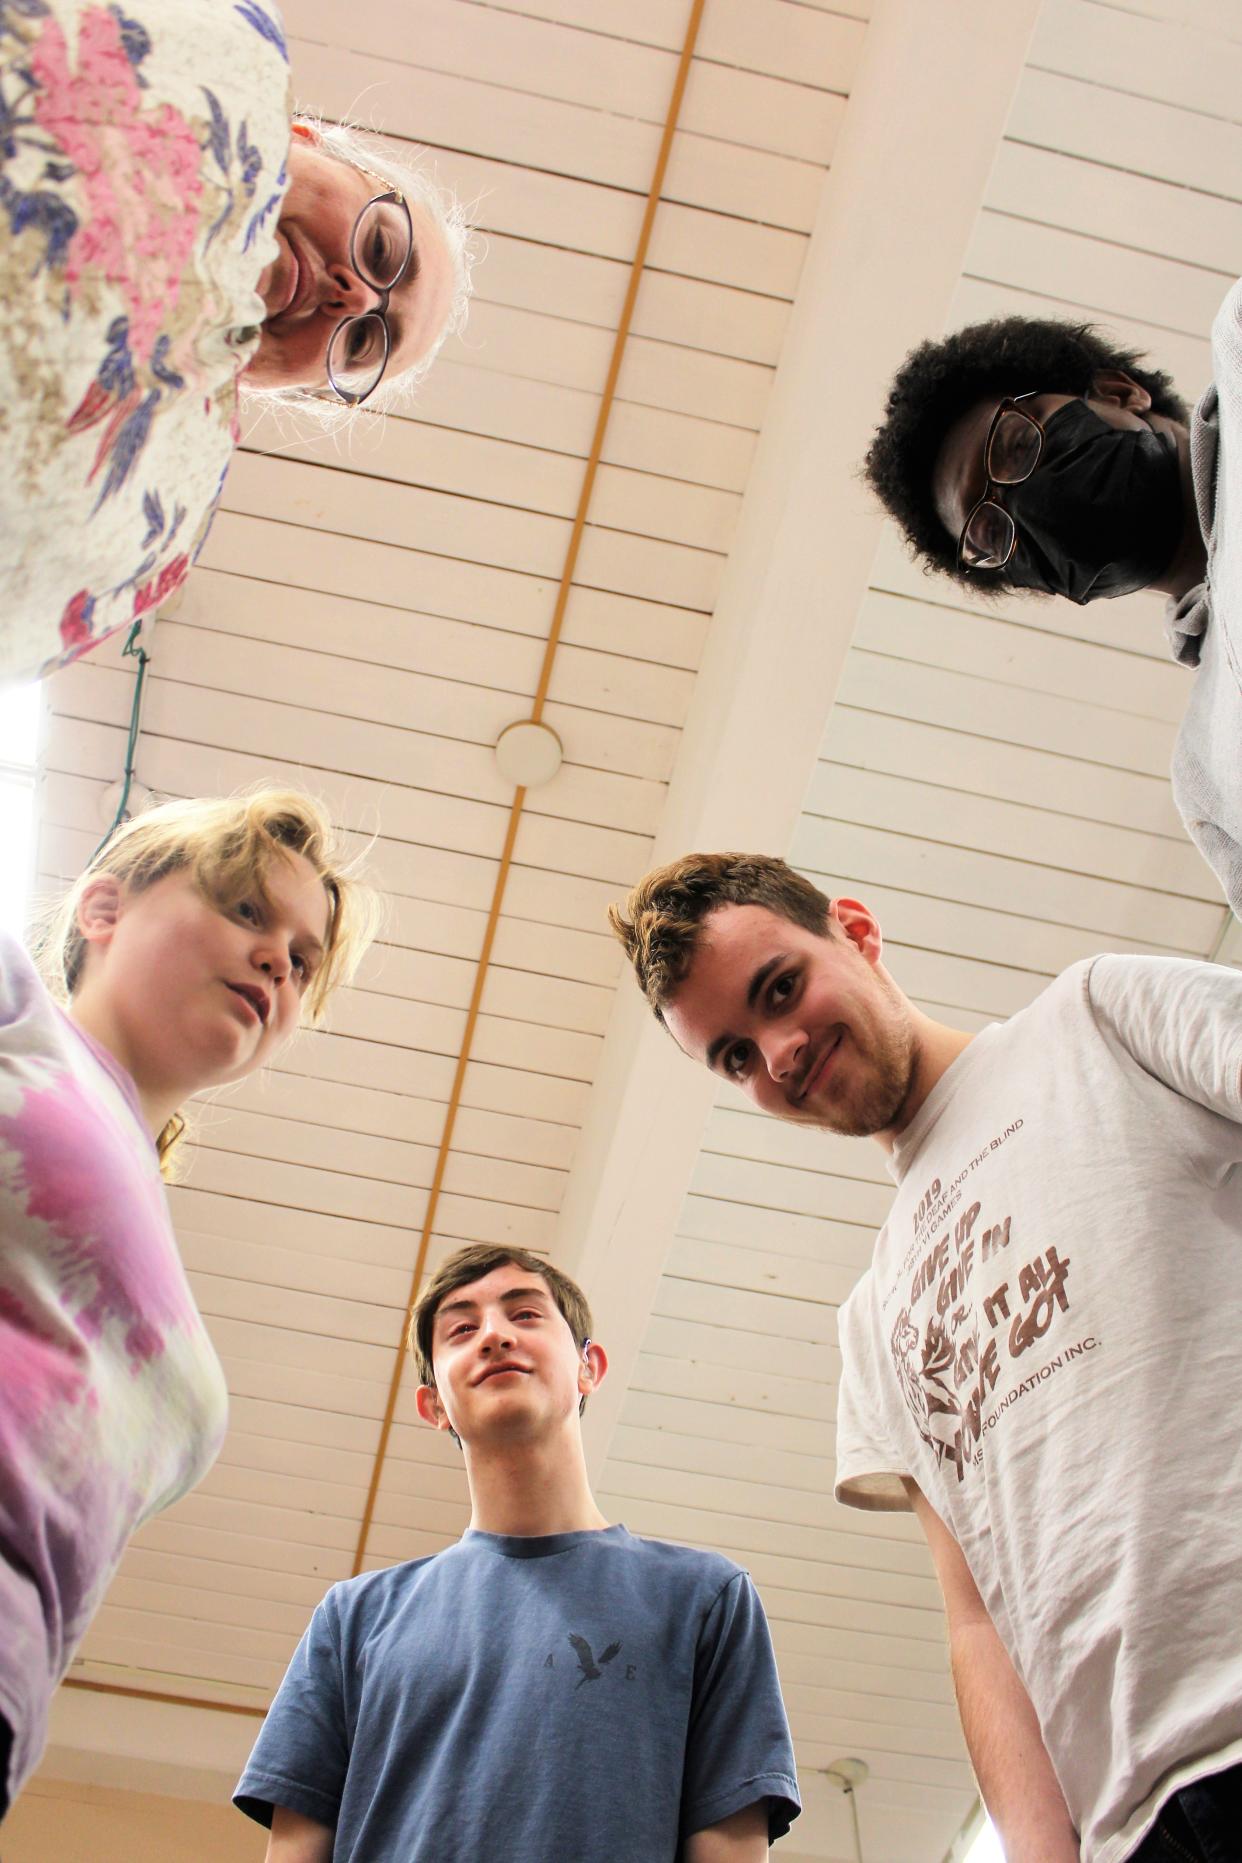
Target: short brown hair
[471,1264]
[666,910]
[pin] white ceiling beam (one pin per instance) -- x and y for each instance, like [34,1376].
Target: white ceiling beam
[921,131]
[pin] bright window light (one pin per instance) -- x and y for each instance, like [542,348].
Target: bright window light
[19,742]
[986,1847]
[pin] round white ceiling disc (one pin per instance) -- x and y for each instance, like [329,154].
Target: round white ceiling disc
[847,1774]
[528,754]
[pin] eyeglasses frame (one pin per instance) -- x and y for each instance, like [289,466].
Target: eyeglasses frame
[1008,405]
[381,310]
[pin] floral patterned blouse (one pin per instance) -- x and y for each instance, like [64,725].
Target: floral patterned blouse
[142,166]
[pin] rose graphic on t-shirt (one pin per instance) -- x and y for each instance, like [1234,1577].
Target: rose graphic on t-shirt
[926,1370]
[970,1333]
[904,1345]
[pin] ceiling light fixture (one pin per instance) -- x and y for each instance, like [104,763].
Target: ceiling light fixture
[528,754]
[847,1775]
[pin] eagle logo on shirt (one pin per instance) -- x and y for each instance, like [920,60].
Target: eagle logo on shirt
[591,1670]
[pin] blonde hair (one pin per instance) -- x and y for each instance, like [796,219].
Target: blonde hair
[229,845]
[660,923]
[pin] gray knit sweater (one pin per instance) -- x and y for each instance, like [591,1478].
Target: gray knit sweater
[1205,626]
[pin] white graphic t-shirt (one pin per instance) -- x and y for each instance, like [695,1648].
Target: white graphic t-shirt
[112,1400]
[1049,1342]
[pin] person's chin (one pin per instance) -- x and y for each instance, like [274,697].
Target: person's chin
[505,1396]
[507,1415]
[240,1058]
[264,369]
[815,1109]
[800,1113]
[271,367]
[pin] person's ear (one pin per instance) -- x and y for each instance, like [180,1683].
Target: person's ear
[860,927]
[99,908]
[592,1367]
[430,1409]
[1120,389]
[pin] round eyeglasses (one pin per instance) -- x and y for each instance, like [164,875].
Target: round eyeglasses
[381,248]
[1011,453]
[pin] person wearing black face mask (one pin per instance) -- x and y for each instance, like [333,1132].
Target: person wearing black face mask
[1031,454]
[1072,505]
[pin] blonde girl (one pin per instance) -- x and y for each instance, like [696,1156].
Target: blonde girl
[185,956]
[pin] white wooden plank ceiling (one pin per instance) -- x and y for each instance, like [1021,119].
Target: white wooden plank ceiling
[370,614]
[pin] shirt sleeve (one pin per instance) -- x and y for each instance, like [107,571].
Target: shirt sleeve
[869,1469]
[738,1749]
[302,1754]
[18,984]
[1180,1020]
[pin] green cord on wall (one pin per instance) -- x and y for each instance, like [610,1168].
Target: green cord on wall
[140,654]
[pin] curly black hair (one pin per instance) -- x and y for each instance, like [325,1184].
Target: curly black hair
[938,381]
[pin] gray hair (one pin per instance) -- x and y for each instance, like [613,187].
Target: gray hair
[418,186]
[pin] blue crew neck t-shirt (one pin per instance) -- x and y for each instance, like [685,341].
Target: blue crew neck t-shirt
[576,1698]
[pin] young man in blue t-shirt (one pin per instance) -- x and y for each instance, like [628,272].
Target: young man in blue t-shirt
[550,1688]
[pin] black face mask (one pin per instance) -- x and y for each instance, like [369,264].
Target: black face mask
[1101,515]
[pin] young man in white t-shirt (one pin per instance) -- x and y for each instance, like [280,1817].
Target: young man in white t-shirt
[1043,1359]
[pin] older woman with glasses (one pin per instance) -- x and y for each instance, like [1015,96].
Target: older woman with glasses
[369,275]
[171,237]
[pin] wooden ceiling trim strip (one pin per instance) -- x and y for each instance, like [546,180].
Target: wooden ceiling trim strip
[541,695]
[156,1694]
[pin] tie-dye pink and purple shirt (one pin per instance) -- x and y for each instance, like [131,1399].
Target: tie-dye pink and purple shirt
[112,1400]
